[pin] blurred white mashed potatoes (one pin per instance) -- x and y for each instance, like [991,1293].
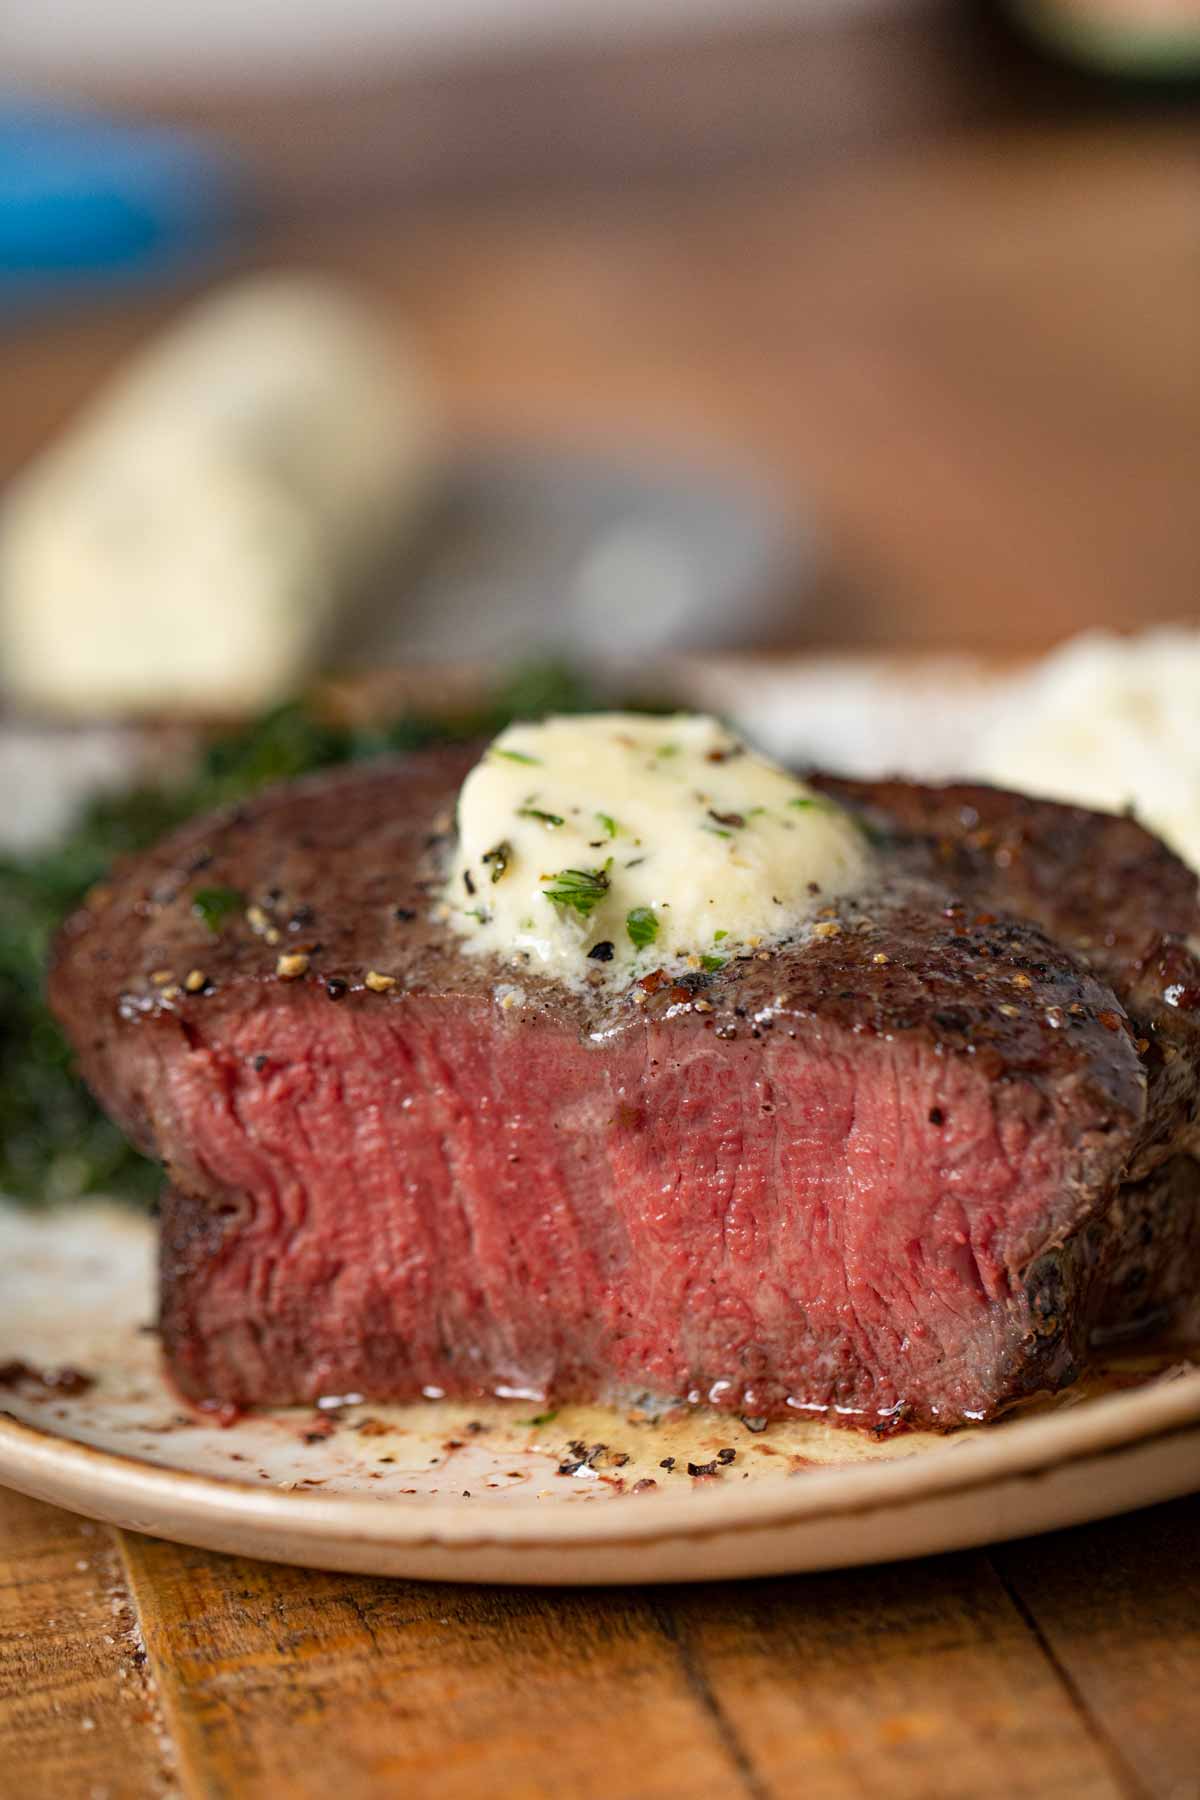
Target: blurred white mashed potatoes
[1110,722]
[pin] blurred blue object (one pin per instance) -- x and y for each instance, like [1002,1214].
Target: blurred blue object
[91,203]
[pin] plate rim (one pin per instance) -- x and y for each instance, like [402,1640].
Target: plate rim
[1103,1427]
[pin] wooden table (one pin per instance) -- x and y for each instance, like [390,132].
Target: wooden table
[1066,1666]
[977,357]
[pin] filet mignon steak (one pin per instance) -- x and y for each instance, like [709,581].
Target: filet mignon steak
[908,1170]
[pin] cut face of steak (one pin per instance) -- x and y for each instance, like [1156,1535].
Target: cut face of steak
[907,1169]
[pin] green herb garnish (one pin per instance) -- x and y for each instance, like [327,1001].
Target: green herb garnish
[216,904]
[499,859]
[642,926]
[550,820]
[517,756]
[55,1143]
[580,889]
[610,825]
[712,963]
[539,1419]
[814,803]
[667,750]
[718,935]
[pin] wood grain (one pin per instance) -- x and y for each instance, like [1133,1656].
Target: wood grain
[77,1709]
[1065,1665]
[905,1681]
[1117,1606]
[913,1681]
[280,1685]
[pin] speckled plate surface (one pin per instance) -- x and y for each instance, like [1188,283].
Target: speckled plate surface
[504,1492]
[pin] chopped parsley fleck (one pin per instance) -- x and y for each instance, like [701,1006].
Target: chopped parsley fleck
[516,756]
[477,912]
[539,1419]
[718,935]
[580,889]
[550,820]
[814,803]
[667,750]
[712,963]
[642,926]
[610,825]
[216,904]
[716,831]
[499,859]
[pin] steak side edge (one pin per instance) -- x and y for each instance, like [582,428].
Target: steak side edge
[908,1169]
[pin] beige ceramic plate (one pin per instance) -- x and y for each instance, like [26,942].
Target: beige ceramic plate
[503,1493]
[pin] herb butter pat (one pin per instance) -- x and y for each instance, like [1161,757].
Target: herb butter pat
[600,847]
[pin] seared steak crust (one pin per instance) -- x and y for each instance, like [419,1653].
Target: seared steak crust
[909,1167]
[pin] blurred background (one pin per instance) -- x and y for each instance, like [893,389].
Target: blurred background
[855,323]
